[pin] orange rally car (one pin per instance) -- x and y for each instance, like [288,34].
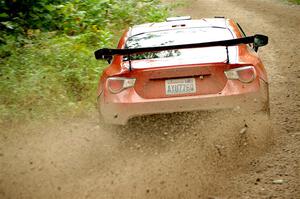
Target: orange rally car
[182,65]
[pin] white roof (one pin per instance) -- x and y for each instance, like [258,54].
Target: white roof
[205,22]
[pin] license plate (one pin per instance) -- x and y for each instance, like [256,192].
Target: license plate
[180,86]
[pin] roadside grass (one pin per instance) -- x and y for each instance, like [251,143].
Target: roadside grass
[53,74]
[295,1]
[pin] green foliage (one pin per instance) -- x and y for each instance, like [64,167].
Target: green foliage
[17,16]
[50,69]
[94,15]
[295,1]
[53,72]
[75,16]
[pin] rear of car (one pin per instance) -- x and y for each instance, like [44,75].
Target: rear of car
[180,80]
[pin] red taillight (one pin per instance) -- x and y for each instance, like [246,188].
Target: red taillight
[245,74]
[117,84]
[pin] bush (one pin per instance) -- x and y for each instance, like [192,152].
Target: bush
[295,1]
[53,72]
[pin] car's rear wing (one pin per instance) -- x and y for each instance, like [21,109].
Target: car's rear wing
[257,40]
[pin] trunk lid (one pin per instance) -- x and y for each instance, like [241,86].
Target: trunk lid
[182,80]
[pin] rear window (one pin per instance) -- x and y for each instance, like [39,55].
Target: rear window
[176,37]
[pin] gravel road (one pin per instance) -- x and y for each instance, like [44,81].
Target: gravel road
[201,155]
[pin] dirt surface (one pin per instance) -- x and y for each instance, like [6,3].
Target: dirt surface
[200,155]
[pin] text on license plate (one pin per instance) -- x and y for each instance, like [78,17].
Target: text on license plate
[180,86]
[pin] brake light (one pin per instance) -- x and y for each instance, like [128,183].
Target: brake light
[118,84]
[245,74]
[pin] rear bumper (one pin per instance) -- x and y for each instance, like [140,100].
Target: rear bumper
[118,110]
